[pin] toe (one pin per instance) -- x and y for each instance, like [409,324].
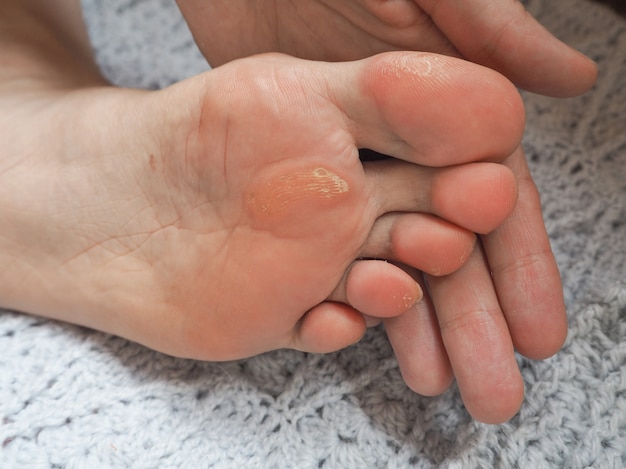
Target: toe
[377,289]
[328,327]
[433,110]
[424,242]
[476,196]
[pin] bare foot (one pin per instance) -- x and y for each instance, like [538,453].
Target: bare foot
[207,219]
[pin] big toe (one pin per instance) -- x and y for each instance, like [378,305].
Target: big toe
[431,109]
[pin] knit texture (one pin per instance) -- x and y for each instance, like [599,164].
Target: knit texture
[75,398]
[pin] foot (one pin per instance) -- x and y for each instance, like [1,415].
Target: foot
[214,218]
[518,282]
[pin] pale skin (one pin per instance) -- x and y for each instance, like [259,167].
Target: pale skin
[134,251]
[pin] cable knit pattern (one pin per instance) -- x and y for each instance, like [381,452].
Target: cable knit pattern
[73,398]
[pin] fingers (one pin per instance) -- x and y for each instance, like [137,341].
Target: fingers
[408,27]
[503,36]
[479,327]
[477,197]
[485,310]
[477,341]
[525,273]
[419,349]
[431,109]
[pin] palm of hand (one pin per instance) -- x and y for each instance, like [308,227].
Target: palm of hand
[318,30]
[499,35]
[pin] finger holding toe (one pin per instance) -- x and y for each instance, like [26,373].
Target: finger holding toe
[525,273]
[419,349]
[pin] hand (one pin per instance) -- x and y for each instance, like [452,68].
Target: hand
[507,296]
[500,35]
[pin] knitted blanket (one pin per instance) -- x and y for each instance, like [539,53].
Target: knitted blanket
[75,398]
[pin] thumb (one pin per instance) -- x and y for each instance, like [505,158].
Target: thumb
[503,36]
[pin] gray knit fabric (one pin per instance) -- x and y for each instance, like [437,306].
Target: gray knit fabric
[74,398]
